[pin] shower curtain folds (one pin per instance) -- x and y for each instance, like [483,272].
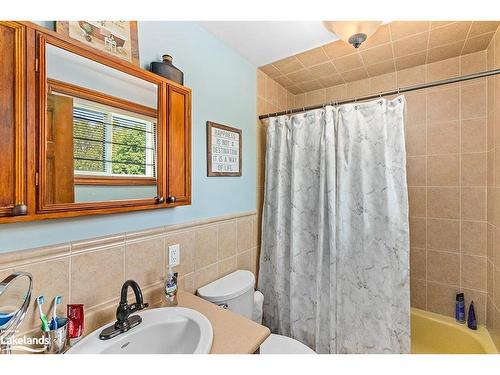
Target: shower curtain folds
[335,246]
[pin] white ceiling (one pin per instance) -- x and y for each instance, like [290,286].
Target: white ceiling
[262,42]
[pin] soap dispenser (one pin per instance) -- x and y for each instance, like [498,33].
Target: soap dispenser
[171,287]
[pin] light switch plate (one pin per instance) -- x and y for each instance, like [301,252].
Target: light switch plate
[174,254]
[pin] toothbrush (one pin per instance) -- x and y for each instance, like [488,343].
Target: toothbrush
[53,321]
[43,318]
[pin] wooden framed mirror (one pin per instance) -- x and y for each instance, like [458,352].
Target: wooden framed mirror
[101,132]
[86,133]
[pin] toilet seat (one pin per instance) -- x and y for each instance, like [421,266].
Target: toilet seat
[278,344]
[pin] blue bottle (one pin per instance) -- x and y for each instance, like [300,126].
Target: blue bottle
[471,321]
[460,308]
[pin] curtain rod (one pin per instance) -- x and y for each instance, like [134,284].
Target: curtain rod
[392,92]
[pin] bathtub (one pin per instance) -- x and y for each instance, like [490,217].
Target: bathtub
[438,334]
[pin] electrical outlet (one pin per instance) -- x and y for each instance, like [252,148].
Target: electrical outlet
[174,254]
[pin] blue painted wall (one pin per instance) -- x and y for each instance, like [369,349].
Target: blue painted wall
[224,91]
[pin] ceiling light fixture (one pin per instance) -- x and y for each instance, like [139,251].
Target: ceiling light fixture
[353,32]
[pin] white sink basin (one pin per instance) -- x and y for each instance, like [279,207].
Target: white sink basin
[167,330]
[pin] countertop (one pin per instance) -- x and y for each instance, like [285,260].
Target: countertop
[233,334]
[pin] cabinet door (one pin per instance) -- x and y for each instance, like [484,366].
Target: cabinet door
[179,146]
[12,118]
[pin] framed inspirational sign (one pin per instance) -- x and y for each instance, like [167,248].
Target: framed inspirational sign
[223,150]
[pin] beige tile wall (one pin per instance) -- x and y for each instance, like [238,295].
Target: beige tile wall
[447,179]
[493,178]
[93,271]
[446,161]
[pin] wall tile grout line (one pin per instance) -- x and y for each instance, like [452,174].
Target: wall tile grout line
[460,174]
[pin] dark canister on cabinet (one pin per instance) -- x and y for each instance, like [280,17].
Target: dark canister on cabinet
[166,69]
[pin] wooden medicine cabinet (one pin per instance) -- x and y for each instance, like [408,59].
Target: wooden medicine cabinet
[82,132]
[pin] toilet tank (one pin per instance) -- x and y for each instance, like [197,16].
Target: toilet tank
[233,291]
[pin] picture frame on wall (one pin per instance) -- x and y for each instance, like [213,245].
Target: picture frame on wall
[118,38]
[224,147]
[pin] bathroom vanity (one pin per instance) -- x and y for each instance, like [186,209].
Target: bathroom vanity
[195,326]
[83,132]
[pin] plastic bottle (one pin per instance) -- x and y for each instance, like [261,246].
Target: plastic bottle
[471,321]
[460,308]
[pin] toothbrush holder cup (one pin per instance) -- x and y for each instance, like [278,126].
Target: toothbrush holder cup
[57,337]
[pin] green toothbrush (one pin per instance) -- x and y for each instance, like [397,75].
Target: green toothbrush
[43,317]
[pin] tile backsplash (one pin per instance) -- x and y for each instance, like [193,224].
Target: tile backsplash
[93,271]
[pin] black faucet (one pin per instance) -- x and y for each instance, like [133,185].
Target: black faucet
[123,321]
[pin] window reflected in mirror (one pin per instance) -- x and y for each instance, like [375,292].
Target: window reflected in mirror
[112,144]
[97,152]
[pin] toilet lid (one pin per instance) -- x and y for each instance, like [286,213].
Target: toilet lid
[278,344]
[228,287]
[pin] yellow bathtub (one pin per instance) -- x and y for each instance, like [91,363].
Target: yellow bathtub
[438,334]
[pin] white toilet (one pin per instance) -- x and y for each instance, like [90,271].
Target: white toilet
[236,293]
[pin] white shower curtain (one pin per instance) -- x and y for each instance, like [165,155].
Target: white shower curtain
[335,239]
